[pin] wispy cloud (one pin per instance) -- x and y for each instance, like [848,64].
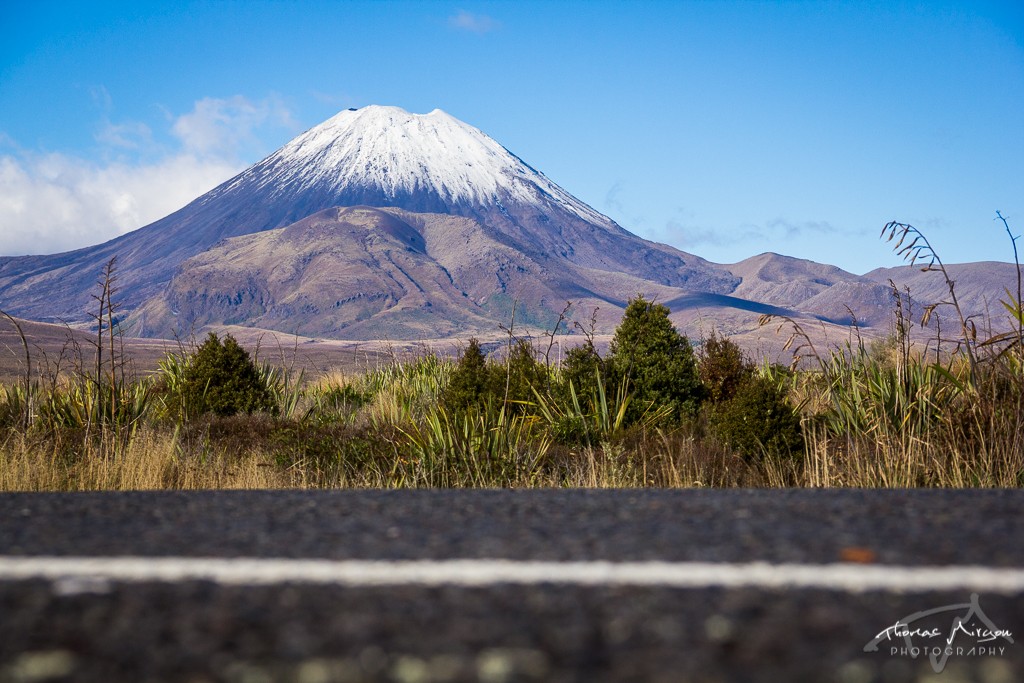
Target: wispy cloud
[474,23]
[791,229]
[51,202]
[125,135]
[222,126]
[687,235]
[612,197]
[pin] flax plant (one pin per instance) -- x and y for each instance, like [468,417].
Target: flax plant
[482,447]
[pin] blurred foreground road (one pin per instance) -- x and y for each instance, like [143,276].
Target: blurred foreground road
[589,586]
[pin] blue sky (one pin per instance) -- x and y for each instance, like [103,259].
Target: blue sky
[723,128]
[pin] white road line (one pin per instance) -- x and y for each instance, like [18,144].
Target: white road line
[265,571]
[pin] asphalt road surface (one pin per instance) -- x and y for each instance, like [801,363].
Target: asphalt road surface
[503,586]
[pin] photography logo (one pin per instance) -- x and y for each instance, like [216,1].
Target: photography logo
[961,630]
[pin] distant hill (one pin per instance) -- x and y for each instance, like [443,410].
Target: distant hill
[979,286]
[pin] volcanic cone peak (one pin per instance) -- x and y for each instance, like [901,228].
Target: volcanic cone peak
[395,156]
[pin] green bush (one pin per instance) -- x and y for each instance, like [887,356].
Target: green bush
[656,360]
[474,381]
[521,374]
[581,367]
[471,381]
[758,421]
[221,378]
[722,368]
[330,454]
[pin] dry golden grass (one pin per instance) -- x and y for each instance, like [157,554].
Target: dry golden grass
[155,459]
[150,460]
[159,459]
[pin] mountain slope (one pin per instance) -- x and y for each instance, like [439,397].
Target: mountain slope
[360,272]
[372,273]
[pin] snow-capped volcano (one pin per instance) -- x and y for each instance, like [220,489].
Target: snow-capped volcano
[378,157]
[393,156]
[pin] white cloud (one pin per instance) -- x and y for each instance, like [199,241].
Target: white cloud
[219,126]
[474,23]
[128,135]
[56,202]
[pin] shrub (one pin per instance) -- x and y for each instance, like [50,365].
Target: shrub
[520,376]
[12,406]
[331,454]
[656,360]
[758,421]
[470,381]
[581,367]
[722,367]
[474,381]
[221,378]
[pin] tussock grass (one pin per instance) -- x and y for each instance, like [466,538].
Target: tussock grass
[153,459]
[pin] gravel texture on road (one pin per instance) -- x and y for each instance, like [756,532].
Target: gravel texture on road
[198,630]
[915,527]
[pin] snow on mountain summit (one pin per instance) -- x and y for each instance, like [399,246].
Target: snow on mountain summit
[399,154]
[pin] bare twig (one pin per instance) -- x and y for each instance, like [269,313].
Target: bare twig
[799,342]
[1019,302]
[588,332]
[554,330]
[508,353]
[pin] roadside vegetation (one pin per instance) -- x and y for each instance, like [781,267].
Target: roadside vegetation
[653,411]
